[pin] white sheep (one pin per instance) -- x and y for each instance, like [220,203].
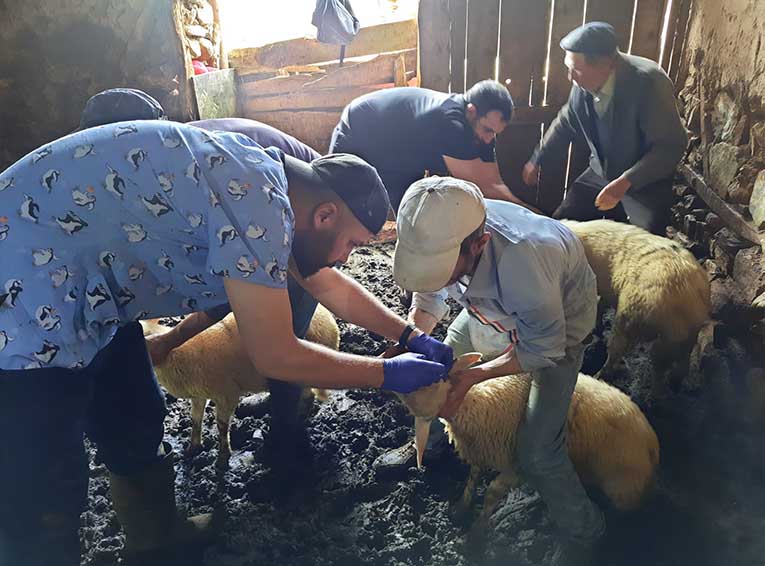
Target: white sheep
[657,286]
[610,442]
[214,365]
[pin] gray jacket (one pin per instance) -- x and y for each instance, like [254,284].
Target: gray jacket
[647,137]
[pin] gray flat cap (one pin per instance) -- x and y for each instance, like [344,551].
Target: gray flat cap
[593,38]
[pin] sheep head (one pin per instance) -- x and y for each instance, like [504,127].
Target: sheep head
[426,402]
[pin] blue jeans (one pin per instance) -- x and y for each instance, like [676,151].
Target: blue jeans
[542,448]
[43,465]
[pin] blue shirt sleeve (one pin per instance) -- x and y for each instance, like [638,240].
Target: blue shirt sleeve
[250,221]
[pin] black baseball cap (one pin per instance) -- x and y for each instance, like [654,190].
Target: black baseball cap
[593,38]
[354,180]
[119,105]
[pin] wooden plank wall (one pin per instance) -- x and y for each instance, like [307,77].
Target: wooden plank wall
[517,43]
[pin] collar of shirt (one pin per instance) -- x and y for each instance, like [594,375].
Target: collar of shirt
[602,97]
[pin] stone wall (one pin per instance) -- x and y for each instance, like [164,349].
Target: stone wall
[54,55]
[724,63]
[202,31]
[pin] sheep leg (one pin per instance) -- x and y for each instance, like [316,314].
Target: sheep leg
[497,489]
[462,509]
[224,410]
[618,344]
[197,413]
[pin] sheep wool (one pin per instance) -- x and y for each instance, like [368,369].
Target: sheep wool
[611,444]
[215,365]
[658,288]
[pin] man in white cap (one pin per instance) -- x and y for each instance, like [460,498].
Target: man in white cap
[529,299]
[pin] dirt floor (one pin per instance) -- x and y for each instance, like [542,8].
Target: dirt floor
[338,510]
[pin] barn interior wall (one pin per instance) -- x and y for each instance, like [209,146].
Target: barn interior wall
[54,55]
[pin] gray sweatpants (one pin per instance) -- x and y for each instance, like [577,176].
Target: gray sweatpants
[542,448]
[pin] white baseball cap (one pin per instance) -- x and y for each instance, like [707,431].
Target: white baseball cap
[435,216]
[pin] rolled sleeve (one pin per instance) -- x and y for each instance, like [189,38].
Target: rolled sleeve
[432,303]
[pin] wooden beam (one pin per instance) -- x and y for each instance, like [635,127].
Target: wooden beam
[275,85]
[673,8]
[534,114]
[482,33]
[375,71]
[678,42]
[399,71]
[458,36]
[618,13]
[370,40]
[307,99]
[647,34]
[433,44]
[523,49]
[568,15]
[732,219]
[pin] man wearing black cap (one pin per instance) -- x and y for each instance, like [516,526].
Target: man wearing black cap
[624,107]
[152,218]
[284,440]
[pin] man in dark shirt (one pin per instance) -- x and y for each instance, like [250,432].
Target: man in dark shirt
[408,133]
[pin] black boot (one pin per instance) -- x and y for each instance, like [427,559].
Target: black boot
[145,506]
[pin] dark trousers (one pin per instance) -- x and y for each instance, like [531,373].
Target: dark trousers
[647,207]
[285,396]
[43,465]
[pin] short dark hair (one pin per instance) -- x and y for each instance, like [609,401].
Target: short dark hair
[490,95]
[472,237]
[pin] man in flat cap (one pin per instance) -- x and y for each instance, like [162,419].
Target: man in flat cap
[624,107]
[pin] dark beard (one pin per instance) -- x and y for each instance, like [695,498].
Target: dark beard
[311,252]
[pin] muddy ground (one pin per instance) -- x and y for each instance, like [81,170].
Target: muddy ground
[336,510]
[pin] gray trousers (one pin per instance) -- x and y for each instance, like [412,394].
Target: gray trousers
[542,448]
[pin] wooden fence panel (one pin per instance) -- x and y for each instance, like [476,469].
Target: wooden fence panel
[433,61]
[649,18]
[458,33]
[618,13]
[514,147]
[523,49]
[568,15]
[482,35]
[678,41]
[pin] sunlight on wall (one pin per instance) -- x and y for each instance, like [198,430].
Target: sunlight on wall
[251,23]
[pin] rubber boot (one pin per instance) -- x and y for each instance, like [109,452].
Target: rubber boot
[145,506]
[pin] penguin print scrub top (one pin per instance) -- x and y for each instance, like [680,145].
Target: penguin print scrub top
[129,221]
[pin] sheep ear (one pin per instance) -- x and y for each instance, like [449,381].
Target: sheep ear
[465,361]
[421,433]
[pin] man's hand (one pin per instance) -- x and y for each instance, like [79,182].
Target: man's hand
[612,193]
[432,349]
[531,174]
[409,372]
[159,346]
[461,384]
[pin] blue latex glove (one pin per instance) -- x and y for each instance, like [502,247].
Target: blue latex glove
[408,372]
[432,349]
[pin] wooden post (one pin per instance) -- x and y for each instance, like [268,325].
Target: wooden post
[649,19]
[399,71]
[458,35]
[482,46]
[523,49]
[618,13]
[433,44]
